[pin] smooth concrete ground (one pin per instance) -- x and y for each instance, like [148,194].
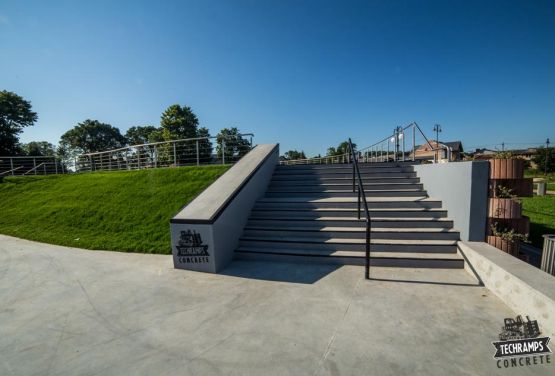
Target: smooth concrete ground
[67,311]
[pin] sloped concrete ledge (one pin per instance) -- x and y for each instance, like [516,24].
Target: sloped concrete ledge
[205,233]
[524,288]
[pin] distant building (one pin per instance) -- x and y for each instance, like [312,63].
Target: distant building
[484,153]
[430,151]
[526,154]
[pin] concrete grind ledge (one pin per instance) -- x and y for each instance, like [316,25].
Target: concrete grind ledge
[525,289]
[206,231]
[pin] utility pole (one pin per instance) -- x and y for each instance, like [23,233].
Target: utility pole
[437,129]
[546,155]
[502,146]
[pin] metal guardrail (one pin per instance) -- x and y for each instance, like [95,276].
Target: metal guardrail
[185,152]
[362,197]
[390,149]
[36,165]
[548,254]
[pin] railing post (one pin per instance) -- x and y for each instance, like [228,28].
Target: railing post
[155,156]
[353,178]
[35,165]
[11,166]
[175,155]
[388,141]
[403,146]
[110,161]
[358,211]
[413,143]
[56,165]
[198,155]
[396,145]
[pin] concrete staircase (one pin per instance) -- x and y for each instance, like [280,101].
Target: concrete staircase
[309,213]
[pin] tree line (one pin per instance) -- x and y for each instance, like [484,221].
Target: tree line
[342,148]
[177,122]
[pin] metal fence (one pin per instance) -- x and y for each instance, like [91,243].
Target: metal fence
[185,152]
[31,165]
[402,145]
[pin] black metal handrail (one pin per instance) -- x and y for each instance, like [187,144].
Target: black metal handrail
[361,195]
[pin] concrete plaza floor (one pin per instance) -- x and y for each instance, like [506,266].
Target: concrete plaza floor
[66,311]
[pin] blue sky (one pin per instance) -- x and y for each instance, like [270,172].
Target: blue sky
[306,74]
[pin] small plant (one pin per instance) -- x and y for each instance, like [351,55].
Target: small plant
[504,155]
[505,192]
[509,235]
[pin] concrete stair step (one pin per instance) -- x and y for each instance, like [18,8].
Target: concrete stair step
[343,181]
[285,232]
[350,221]
[311,213]
[327,187]
[347,202]
[346,165]
[300,175]
[345,169]
[378,245]
[347,193]
[398,259]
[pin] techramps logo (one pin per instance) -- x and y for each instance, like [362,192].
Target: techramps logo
[190,248]
[520,344]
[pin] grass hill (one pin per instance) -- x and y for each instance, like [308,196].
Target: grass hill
[121,211]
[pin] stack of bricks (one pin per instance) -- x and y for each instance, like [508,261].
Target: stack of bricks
[507,178]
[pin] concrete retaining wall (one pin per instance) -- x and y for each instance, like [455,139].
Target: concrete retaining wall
[525,289]
[206,232]
[463,189]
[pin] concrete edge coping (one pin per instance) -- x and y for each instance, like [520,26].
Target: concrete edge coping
[209,204]
[526,289]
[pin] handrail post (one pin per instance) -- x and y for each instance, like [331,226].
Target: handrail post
[362,198]
[367,274]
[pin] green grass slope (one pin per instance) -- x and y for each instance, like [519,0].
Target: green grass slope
[122,211]
[541,210]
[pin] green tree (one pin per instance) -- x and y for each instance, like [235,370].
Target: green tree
[140,135]
[293,154]
[204,146]
[179,122]
[342,148]
[543,156]
[91,136]
[15,114]
[39,148]
[235,145]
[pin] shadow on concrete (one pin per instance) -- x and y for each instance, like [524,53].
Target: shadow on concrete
[477,284]
[279,271]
